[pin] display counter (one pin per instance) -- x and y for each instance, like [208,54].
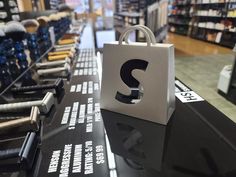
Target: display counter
[198,140]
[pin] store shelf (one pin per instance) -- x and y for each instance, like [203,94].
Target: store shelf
[230,31]
[219,15]
[7,8]
[184,24]
[208,3]
[224,30]
[144,12]
[189,4]
[176,15]
[212,42]
[230,17]
[129,14]
[30,66]
[180,16]
[208,28]
[183,34]
[208,16]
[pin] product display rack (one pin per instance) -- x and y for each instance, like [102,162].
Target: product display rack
[130,5]
[180,17]
[127,14]
[42,42]
[9,11]
[55,3]
[124,19]
[135,12]
[74,141]
[212,21]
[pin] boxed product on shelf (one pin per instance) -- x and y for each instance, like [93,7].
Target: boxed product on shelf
[218,37]
[210,25]
[233,29]
[231,13]
[205,1]
[219,26]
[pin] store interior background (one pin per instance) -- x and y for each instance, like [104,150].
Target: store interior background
[199,59]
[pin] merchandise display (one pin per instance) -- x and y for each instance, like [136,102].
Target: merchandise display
[76,131]
[157,19]
[32,26]
[16,32]
[57,87]
[211,21]
[39,43]
[43,33]
[19,124]
[19,153]
[44,105]
[129,13]
[5,73]
[53,63]
[9,11]
[55,4]
[180,17]
[101,89]
[10,55]
[64,71]
[60,23]
[28,98]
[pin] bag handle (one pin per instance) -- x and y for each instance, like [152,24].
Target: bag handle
[128,30]
[151,35]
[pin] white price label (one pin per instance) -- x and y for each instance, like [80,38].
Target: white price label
[187,97]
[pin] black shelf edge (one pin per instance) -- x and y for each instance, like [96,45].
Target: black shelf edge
[210,3]
[187,4]
[206,16]
[176,15]
[183,34]
[233,84]
[212,42]
[224,30]
[209,28]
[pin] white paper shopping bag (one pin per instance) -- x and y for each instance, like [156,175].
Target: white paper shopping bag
[138,78]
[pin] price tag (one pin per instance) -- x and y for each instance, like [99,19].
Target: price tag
[188,97]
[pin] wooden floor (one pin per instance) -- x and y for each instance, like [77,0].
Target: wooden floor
[186,46]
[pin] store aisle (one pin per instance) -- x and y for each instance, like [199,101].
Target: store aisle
[198,65]
[186,46]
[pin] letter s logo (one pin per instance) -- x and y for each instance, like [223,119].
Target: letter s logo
[130,81]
